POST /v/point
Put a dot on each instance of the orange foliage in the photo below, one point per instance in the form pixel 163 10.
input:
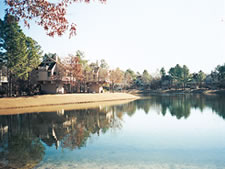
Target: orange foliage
pixel 116 76
pixel 51 16
pixel 74 68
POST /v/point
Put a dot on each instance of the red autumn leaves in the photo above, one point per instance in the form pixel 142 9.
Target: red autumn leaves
pixel 51 16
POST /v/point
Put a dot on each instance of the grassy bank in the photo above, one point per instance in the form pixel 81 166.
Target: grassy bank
pixel 55 102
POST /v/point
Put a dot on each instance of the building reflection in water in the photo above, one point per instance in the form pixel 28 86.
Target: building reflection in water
pixel 23 137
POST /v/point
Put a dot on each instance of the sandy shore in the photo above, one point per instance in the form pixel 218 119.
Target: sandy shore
pixel 56 102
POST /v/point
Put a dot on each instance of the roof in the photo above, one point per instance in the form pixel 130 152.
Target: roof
pixel 51 65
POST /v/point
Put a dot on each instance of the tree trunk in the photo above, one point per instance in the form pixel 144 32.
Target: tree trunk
pixel 10 85
pixel 7 83
pixel 113 87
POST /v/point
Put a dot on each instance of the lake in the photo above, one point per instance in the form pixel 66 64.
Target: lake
pixel 158 132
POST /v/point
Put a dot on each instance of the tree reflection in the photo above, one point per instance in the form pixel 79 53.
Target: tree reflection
pixel 20 148
pixel 23 138
pixel 23 152
pixel 180 105
pixel 143 104
pixel 177 105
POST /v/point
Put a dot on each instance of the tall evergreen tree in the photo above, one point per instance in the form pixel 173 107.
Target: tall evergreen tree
pixel 146 78
pixel 185 76
pixel 220 70
pixel 15 46
pixel 180 75
pixel 34 53
pixel 162 72
pixel 3 58
pixel 20 54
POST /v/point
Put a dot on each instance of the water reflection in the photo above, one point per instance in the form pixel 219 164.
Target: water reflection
pixel 24 138
pixel 178 105
pixel 181 105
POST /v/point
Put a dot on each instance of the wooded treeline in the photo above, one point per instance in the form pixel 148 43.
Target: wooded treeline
pixel 21 55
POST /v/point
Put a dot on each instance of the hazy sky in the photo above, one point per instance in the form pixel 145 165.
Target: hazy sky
pixel 144 34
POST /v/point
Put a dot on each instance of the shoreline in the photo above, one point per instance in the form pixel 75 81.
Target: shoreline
pixel 60 101
pixel 177 91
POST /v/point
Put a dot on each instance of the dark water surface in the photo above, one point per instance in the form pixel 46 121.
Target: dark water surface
pixel 161 132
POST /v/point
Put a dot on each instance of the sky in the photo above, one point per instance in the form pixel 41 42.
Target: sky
pixel 143 34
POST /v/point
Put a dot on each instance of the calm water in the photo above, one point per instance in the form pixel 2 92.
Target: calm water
pixel 169 132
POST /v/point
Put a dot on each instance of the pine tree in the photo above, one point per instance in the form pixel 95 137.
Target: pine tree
pixel 34 54
pixel 21 54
